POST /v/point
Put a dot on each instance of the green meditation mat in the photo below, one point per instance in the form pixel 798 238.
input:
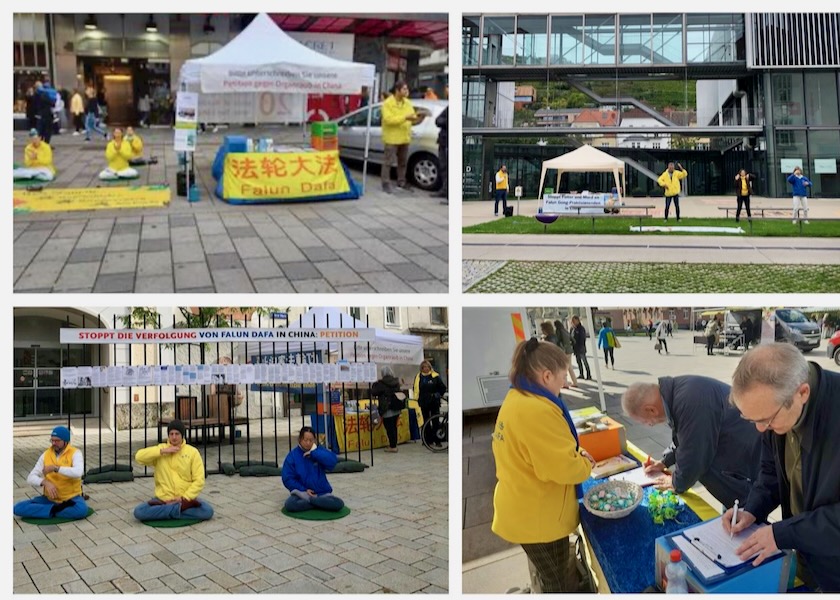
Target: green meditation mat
pixel 54 520
pixel 28 183
pixel 314 514
pixel 171 522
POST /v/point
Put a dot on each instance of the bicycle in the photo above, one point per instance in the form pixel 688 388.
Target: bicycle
pixel 436 429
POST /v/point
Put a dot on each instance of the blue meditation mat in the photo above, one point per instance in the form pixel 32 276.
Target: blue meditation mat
pixel 625 548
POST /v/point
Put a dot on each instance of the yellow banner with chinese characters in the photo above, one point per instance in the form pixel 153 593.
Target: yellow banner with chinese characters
pixel 358 430
pixel 268 175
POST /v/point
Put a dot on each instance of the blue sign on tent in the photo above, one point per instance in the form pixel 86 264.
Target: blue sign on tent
pixel 279 315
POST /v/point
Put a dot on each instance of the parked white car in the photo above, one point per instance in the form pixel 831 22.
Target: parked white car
pixel 423 163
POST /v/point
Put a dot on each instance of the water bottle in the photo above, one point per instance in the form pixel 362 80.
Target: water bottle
pixel 675 574
pixel 193 193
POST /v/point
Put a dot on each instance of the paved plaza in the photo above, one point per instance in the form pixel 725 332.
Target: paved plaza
pixel 394 541
pixel 492 565
pixel 379 243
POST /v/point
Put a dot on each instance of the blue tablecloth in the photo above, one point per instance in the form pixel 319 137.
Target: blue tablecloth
pixel 625 548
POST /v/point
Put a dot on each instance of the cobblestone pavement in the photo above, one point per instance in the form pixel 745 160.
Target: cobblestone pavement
pixel 394 541
pixel 616 277
pixel 379 243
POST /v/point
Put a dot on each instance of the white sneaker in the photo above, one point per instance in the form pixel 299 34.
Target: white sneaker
pixel 216 129
pixel 75 133
pixel 794 221
pixel 806 222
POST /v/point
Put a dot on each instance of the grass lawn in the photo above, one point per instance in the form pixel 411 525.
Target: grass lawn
pixel 601 278
pixel 621 226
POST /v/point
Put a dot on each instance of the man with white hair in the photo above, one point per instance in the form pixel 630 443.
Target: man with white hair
pixel 795 405
pixel 711 443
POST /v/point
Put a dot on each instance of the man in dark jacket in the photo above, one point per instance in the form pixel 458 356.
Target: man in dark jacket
pixel 711 442
pixel 43 112
pixel 442 122
pixel 793 403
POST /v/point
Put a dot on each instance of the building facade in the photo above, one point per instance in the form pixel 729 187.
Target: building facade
pixel 128 55
pixel 761 90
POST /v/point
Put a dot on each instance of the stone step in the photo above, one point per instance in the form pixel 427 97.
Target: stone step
pixel 36 428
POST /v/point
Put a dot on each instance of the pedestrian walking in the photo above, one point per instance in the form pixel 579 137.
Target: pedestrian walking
pixel 608 341
pixel 712 332
pixel 670 182
pixel 661 334
pixel 77 109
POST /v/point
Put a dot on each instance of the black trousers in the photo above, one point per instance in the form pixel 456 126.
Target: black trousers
pixel 676 200
pixel 664 344
pixel 555 569
pixel 710 344
pixel 443 157
pixel 609 356
pixel 743 201
pixel 582 362
pixel 390 424
pixel 500 195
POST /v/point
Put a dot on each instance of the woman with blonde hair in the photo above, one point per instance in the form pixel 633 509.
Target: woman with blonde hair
pixel 428 389
pixel 539 465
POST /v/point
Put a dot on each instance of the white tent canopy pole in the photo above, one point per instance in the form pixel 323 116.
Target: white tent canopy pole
pixel 373 92
pixel 594 343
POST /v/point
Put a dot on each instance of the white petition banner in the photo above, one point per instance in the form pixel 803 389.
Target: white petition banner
pixel 285 78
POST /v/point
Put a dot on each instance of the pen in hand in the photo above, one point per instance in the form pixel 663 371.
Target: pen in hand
pixel 734 519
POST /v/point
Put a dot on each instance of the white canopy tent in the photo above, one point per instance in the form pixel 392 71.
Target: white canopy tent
pixel 388 347
pixel 264 59
pixel 585 159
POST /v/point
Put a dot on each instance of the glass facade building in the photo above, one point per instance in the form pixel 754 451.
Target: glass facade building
pixel 781 74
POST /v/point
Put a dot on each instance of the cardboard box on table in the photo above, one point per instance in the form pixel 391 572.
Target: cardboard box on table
pixel 607 443
pixel 771 577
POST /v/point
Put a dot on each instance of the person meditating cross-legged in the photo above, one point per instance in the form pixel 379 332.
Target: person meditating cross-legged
pixel 118 153
pixel 179 479
pixel 59 472
pixel 304 475
pixel 37 160
pixel 135 142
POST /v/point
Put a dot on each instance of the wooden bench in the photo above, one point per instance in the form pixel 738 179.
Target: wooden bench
pixel 218 413
pixel 754 209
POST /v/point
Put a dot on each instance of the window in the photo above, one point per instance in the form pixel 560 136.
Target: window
pixel 667 39
pixel 359 119
pixel 531 40
pixel 656 145
pixel 497 45
pixel 821 98
pixel 469 40
pixel 600 37
pixel 392 316
pixel 356 312
pixel 566 40
pixel 635 39
pixel 788 99
pixel 437 315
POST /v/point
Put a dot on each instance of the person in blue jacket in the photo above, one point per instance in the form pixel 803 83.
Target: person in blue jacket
pixel 800 184
pixel 607 341
pixel 304 475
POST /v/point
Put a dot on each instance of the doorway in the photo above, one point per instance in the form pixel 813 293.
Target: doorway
pixel 119 95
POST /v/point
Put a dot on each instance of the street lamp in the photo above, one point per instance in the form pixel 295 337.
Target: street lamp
pixel 151 26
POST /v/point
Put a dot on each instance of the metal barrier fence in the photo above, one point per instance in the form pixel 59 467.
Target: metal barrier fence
pixel 199 411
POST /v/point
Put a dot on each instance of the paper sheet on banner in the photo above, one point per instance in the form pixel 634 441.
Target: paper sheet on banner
pixel 635 476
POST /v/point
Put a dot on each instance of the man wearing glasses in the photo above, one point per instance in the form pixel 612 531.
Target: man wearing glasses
pixel 795 404
pixel 710 442
pixel 58 473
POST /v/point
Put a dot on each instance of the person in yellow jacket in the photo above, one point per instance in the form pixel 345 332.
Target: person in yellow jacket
pixel 502 188
pixel 398 117
pixel 37 160
pixel 670 182
pixel 539 464
pixel 135 142
pixel 179 479
pixel 429 389
pixel 118 152
pixel 58 472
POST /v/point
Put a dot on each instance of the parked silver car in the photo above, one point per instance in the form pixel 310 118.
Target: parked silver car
pixel 423 163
